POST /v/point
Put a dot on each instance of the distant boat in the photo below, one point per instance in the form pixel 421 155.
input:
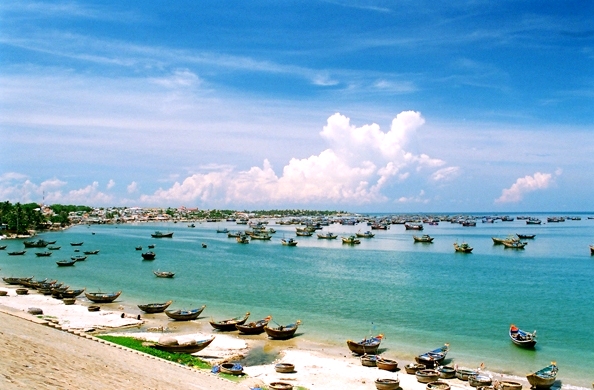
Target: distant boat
pixel 17 253
pixel 433 358
pixel 351 240
pixel 533 221
pixel 148 255
pixel 366 234
pixel 78 258
pixel 282 332
pixel 327 236
pixel 424 238
pixel 526 236
pixel 139 248
pixel 463 248
pixel 36 244
pixel 544 378
pixel 54 248
pixel 159 234
pixel 184 315
pixel 65 263
pixel 150 246
pixel 516 244
pixel 413 226
pixel 99 297
pixel 2 247
pixel 43 254
pixel 304 233
pixel 76 243
pixel 164 274
pixel 243 239
pixel 155 307
pixel 365 346
pixel 591 249
pixel 522 338
pixel 288 242
pixel 91 252
pixel 225 230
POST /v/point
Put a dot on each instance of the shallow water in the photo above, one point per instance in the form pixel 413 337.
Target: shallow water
pixel 418 295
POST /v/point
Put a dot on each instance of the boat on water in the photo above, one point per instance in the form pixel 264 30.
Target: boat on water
pixel 543 378
pixel 413 226
pixel 463 248
pixel 185 315
pixel 148 255
pixel 76 243
pixel 533 221
pixel 365 346
pixel 288 242
pixel 43 254
pixel 229 325
pixel 234 235
pixel 243 239
pixel 99 297
pixel 155 307
pixel 303 233
pixel 591 249
pixel 433 358
pixel 515 244
pixel 367 234
pixel 54 248
pixel 151 246
pixel 525 236
pixel 78 258
pixel 170 344
pixel 424 238
pixel 95 252
pixel 2 247
pixel 225 230
pixel 36 244
pixel 164 274
pixel 522 338
pixel 159 234
pixel 282 332
pixel 256 327
pixel 351 240
pixel 327 236
pixel 17 253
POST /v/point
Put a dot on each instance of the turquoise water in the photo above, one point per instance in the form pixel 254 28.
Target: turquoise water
pixel 418 295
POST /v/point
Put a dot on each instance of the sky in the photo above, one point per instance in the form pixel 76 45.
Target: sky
pixel 367 106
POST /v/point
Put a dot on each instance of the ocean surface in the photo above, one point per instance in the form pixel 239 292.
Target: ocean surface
pixel 419 296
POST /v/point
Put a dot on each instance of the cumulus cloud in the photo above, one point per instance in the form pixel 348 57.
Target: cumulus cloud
pixel 132 187
pixel 445 174
pixel 110 184
pixel 89 195
pixel 525 185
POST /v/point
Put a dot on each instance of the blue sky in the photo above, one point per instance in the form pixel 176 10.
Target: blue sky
pixel 393 106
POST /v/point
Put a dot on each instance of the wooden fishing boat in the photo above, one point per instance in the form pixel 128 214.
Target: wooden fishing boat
pixel 149 255
pixel 43 254
pixel 151 246
pixel 525 236
pixel 51 242
pixel 231 368
pixel 185 315
pixel 138 248
pixel 36 244
pixel 69 293
pixel 364 346
pixel 2 247
pixel 54 248
pixel 65 263
pixel 164 274
pixel 170 344
pixel 78 258
pixel 463 248
pixel 99 297
pixel 327 236
pixel 380 226
pixel 159 234
pixel 91 252
pixel 387 384
pixel 515 244
pixel 284 368
pixel 259 236
pixel 350 240
pixel 424 238
pixel 413 226
pixel 14 281
pixel 17 253
pixel 544 378
pixel 386 364
pixel 500 241
pixel 229 325
pixel 253 327
pixel 522 338
pixel 433 358
pixel 412 368
pixel 234 235
pixel 289 242
pixel 282 332
pixel 426 376
pixel 155 307
pixel 304 233
pixel 366 234
pixel 76 243
pixel 243 239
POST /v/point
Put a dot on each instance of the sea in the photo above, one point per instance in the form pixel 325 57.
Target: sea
pixel 419 296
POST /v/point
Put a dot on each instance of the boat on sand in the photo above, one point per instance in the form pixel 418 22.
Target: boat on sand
pixel 544 378
pixel 367 345
pixel 170 344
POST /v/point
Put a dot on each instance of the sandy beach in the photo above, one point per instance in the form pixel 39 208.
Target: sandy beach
pixel 59 351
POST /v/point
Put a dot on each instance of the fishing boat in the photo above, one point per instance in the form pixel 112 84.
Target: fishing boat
pixel 424 238
pixel 69 293
pixel 66 263
pixel 289 242
pixel 282 332
pixel 533 221
pixel 99 297
pixel 2 247
pixel 515 244
pixel 351 240
pixel 91 252
pixel 327 236
pixel 369 360
pixel 14 281
pixel 164 274
pixel 413 226
pixel 544 378
pixel 76 243
pixel 138 248
pixel 225 230
pixel 234 235
pixel 433 358
pixel 368 345
pixel 184 315
pixel 229 325
pixel 155 307
pixel 592 249
pixel 259 236
pixel 78 258
pixel 253 327
pixel 159 234
pixel 243 239
pixel 463 248
pixel 17 253
pixel 304 233
pixel 386 364
pixel 148 255
pixel 36 244
pixel 522 338
pixel 151 246
pixel 500 241
pixel 525 236
pixel 43 254
pixel 170 344
pixel 366 234
pixel 54 248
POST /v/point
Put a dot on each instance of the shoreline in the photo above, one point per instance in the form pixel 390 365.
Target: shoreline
pixel 318 366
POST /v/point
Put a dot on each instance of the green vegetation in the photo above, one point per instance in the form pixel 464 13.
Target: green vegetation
pixel 181 358
pixel 61 213
pixel 18 218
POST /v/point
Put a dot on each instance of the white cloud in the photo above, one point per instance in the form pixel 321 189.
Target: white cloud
pixel 414 199
pixel 89 195
pixel 132 187
pixel 110 184
pixel 525 185
pixel 445 174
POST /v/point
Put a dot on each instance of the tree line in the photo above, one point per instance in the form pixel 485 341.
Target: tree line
pixel 20 217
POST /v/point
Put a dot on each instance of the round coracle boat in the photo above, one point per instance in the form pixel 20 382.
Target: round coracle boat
pixel 463 375
pixel 3 293
pixel 387 384
pixel 508 385
pixel 94 308
pixel 426 376
pixel 22 291
pixel 232 368
pixel 446 372
pixel 486 388
pixel 284 367
pixel 69 301
pixel 412 368
pixel 280 386
pixel 479 380
pixel 386 364
pixel 437 385
pixel 369 360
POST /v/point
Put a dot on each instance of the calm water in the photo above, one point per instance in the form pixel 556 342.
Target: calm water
pixel 418 295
